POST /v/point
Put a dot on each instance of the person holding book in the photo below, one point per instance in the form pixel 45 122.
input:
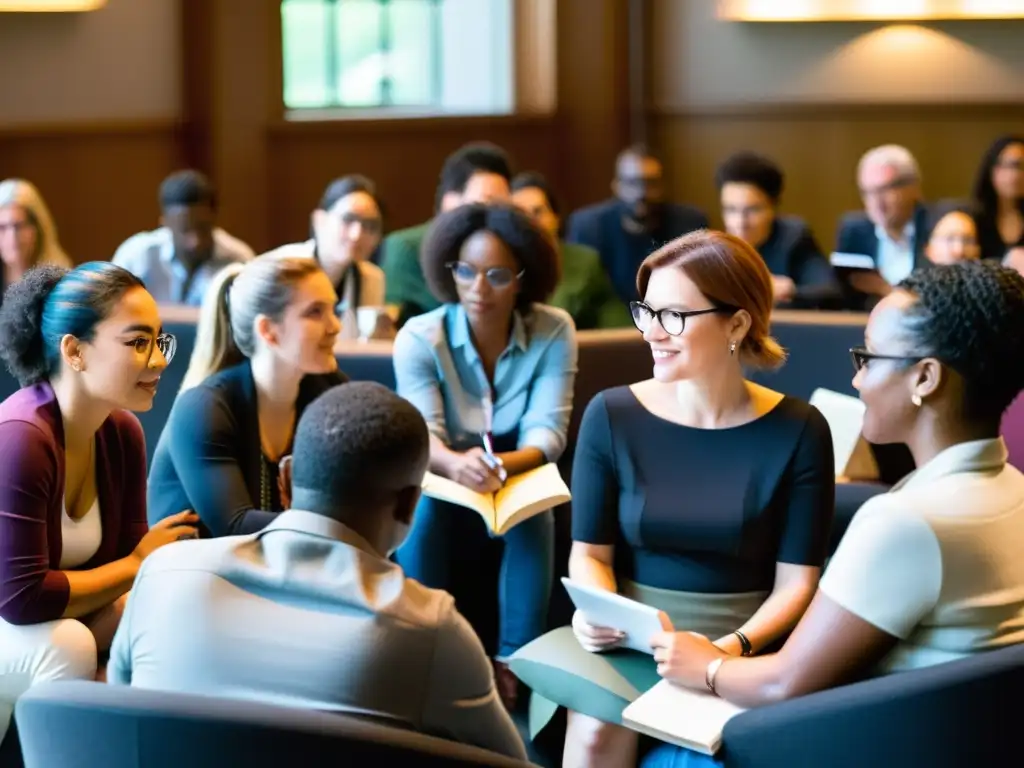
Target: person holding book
pixel 264 351
pixel 87 347
pixel 696 492
pixel 931 571
pixel 492 372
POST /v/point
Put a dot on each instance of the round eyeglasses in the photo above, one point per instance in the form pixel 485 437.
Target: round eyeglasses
pixel 672 321
pixel 167 343
pixel 498 277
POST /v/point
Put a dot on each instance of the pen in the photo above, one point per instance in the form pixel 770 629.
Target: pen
pixel 489 456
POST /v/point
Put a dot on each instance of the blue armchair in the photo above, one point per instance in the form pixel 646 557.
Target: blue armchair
pixel 947 716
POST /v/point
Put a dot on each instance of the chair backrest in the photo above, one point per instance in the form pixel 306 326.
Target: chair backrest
pixel 945 716
pixel 77 724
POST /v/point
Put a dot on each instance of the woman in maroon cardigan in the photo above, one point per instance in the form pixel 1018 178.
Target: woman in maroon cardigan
pixel 85 345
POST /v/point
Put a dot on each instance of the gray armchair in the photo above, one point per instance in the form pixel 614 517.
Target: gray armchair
pixel 92 725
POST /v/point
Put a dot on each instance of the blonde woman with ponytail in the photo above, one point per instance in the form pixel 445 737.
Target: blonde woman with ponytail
pixel 264 351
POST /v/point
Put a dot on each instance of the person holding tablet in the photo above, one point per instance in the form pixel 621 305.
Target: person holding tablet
pixel 87 347
pixel 491 359
pixel 931 571
pixel 696 491
pixel 264 351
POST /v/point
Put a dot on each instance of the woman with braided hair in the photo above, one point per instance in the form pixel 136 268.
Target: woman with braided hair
pixel 943 358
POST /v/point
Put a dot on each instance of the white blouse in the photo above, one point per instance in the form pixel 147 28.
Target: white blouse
pixel 936 562
pixel 80 539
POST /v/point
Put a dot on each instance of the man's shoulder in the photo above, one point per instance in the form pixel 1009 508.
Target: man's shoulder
pixel 410 236
pixel 142 247
pixel 688 217
pixel 855 220
pixel 428 327
pixel 596 211
pixel 192 555
pixel 230 248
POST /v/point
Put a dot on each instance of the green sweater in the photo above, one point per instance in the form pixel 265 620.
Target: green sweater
pixel 404 283
pixel 585 291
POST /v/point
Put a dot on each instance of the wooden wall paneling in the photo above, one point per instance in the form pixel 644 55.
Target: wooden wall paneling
pixel 593 95
pixel 402 156
pixel 819 145
pixel 100 180
pixel 270 171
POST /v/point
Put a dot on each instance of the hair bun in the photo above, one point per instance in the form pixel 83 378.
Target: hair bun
pixel 21 323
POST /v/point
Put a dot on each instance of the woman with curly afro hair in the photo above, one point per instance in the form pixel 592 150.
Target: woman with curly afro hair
pixel 931 571
pixel 491 361
pixel 87 347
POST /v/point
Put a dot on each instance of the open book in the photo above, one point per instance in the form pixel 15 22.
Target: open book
pixel 845 417
pixel 681 716
pixel 522 497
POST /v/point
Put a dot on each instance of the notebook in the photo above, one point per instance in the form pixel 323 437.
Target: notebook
pixel 845 416
pixel 841 260
pixel 681 716
pixel 522 497
pixel 608 609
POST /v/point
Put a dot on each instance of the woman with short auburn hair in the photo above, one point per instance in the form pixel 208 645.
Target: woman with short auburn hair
pixel 697 491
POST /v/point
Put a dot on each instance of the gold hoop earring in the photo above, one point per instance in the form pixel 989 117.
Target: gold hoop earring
pixel 916 399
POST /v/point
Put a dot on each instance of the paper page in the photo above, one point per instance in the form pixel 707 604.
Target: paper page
pixel 845 417
pixel 534 491
pixel 442 488
pixel 852 261
pixel 682 716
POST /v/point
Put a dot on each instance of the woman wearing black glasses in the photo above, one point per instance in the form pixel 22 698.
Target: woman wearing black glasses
pixel 697 492
pixel 492 365
pixel 931 571
pixel 87 347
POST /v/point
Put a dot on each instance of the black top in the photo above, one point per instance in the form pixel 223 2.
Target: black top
pixel 622 252
pixel 209 458
pixel 792 251
pixel 703 510
pixel 991 242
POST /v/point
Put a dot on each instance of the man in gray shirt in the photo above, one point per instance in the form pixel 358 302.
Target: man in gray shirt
pixel 310 612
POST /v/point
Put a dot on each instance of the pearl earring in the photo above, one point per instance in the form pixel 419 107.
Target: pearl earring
pixel 916 399
pixel 732 348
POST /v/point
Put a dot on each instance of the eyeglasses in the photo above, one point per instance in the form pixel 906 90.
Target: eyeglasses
pixel 167 343
pixel 672 321
pixel 372 224
pixel 498 277
pixel 861 357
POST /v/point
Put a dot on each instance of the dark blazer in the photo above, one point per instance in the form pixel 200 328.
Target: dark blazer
pixel 33 589
pixel 622 252
pixel 991 242
pixel 857 235
pixel 208 458
pixel 792 251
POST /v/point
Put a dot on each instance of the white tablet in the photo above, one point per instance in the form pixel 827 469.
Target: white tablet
pixel 607 609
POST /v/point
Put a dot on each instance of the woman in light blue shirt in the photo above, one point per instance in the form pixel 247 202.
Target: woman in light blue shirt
pixel 491 360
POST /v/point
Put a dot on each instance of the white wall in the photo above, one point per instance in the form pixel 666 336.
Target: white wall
pixel 117 63
pixel 701 62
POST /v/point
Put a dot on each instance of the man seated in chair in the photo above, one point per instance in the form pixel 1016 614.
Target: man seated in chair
pixel 310 612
